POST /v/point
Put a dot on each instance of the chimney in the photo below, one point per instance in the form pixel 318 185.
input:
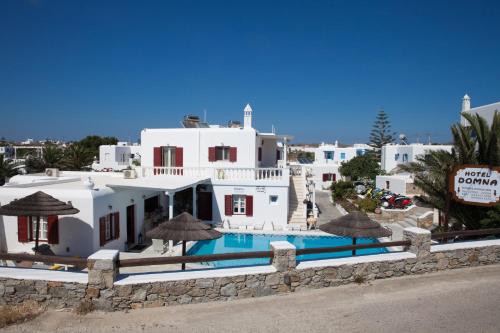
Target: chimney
pixel 466 103
pixel 247 119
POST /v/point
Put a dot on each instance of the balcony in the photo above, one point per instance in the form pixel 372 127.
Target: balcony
pixel 222 174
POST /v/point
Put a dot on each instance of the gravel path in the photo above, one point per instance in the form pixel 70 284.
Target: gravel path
pixel 327 210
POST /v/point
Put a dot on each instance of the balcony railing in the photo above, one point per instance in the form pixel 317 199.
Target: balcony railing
pixel 219 173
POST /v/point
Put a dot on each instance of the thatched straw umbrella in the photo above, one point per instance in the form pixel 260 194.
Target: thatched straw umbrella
pixel 36 205
pixel 184 227
pixel 355 225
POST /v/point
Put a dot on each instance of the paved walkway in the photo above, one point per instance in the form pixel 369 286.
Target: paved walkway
pixel 327 210
pixel 461 300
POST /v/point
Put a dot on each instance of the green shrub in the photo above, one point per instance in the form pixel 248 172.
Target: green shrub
pixel 342 190
pixel 367 205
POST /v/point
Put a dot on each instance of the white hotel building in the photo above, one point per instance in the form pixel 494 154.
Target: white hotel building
pixel 232 174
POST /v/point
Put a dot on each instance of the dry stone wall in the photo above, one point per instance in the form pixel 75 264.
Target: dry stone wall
pixel 105 294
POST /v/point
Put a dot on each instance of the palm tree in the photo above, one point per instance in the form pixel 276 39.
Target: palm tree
pixel 6 169
pixel 51 158
pixel 474 144
pixel 76 157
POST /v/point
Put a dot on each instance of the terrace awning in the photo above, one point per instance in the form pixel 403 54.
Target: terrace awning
pixel 159 183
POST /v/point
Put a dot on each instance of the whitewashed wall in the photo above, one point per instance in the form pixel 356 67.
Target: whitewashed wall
pixel 263 210
pixel 196 141
pixel 389 162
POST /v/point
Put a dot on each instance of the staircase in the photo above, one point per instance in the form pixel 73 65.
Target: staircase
pixel 296 207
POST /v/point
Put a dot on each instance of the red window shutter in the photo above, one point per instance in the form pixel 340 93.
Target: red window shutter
pixel 228 203
pixel 211 154
pixel 116 221
pixel 179 157
pixel 334 177
pixel 157 156
pixel 249 205
pixel 260 154
pixel 233 154
pixel 102 231
pixel 22 229
pixel 325 177
pixel 53 229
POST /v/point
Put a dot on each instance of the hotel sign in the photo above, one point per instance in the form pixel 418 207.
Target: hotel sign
pixel 476 185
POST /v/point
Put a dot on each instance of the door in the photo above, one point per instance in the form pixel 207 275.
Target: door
pixel 131 224
pixel 205 206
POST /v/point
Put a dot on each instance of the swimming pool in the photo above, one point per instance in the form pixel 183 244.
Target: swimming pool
pixel 241 242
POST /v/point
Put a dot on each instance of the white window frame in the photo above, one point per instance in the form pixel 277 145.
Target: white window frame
pixel 168 156
pixel 44 228
pixel 239 204
pixel 224 153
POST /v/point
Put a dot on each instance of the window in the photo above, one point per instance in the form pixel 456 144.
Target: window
pixel 108 227
pixel 329 155
pixel 273 199
pixel 396 157
pixel 222 153
pixel 43 231
pixel 360 152
pixel 168 156
pixel 239 204
pixel 329 177
pixel 387 184
pixel 342 156
pixel 405 158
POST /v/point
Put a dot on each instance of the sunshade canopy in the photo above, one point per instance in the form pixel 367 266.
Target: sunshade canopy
pixel 37 204
pixel 355 225
pixel 183 227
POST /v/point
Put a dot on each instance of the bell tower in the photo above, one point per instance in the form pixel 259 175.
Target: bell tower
pixel 465 108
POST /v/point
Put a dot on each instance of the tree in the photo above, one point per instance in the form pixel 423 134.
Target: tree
pixel 364 166
pixel 6 169
pixel 92 143
pixel 51 158
pixel 474 144
pixel 381 133
pixel 76 157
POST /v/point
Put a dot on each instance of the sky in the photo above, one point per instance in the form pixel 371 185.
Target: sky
pixel 317 70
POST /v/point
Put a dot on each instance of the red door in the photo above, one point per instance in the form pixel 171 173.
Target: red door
pixel 205 206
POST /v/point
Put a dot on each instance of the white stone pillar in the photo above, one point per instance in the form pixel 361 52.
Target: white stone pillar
pixel 195 208
pixel 170 204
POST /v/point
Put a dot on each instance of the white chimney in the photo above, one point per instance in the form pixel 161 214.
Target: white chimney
pixel 465 107
pixel 466 103
pixel 247 119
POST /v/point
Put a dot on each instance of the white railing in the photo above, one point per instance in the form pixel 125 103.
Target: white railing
pixel 219 173
pixel 296 170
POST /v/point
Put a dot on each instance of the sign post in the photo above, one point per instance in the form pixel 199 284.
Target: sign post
pixel 472 184
pixel 476 185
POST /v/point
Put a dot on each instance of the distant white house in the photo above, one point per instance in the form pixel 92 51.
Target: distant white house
pixel 328 158
pixel 117 157
pixel 485 111
pixel 394 155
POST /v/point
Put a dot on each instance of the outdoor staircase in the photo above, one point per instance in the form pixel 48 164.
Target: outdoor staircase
pixel 296 206
pixel 409 221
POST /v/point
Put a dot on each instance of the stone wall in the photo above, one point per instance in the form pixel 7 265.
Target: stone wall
pixel 50 293
pixel 283 277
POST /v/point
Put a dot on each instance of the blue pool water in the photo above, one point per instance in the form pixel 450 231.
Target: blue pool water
pixel 239 242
